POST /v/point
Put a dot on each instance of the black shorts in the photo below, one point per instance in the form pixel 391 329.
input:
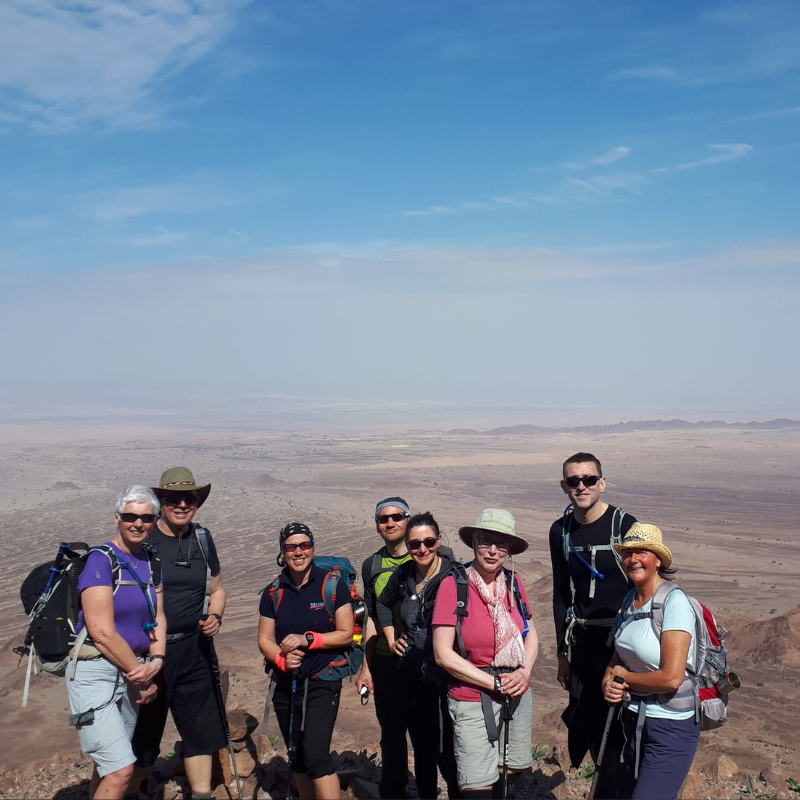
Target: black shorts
pixel 312 754
pixel 187 690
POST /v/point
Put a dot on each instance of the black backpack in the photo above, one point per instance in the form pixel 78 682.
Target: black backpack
pixel 52 601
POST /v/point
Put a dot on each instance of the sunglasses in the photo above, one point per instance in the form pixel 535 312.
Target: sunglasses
pixel 588 481
pixel 176 499
pixel 415 544
pixel 148 519
pixel 485 544
pixel 384 518
pixel 290 548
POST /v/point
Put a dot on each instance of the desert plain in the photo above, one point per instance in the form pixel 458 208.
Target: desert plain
pixel 728 501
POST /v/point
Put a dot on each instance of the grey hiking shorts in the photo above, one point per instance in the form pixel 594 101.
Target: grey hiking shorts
pixel 480 761
pixel 108 739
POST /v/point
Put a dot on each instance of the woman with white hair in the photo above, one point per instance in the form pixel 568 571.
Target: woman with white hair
pixel 650 674
pixel 484 638
pixel 121 643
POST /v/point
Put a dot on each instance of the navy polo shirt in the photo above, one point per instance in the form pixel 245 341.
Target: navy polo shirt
pixel 301 609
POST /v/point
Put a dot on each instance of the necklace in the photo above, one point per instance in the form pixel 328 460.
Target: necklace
pixel 431 574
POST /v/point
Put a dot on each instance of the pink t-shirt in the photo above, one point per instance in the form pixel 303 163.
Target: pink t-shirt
pixel 477 630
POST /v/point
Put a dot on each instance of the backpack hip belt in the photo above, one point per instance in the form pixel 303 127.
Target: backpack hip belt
pixel 572 621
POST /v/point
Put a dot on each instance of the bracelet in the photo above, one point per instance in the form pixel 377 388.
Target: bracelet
pixel 219 618
pixel 157 656
pixel 498 684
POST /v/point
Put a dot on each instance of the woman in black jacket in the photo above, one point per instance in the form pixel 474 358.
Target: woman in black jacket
pixel 405 610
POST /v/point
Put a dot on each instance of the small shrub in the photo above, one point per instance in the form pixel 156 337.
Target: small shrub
pixel 793 784
pixel 539 751
pixel 273 740
pixel 586 771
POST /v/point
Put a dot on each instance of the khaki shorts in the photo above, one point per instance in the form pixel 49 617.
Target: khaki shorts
pixel 478 760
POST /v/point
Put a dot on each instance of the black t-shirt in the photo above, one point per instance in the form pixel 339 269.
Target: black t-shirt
pixel 184 587
pixel 609 592
pixel 301 609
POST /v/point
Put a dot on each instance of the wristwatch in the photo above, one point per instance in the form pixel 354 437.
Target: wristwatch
pixel 498 684
pixel 310 639
pixel 219 618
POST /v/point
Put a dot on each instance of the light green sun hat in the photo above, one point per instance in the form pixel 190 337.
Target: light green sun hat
pixel 496 521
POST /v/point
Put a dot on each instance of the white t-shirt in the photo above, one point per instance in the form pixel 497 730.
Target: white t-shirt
pixel 640 650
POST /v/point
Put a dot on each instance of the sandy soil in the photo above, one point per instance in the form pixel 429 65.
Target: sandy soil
pixel 727 501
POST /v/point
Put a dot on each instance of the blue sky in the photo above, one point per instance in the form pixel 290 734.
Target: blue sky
pixel 523 205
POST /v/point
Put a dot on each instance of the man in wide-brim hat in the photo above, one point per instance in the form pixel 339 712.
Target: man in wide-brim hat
pixel 194 602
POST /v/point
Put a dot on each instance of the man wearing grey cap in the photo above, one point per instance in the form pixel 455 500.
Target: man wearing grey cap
pixel 379 672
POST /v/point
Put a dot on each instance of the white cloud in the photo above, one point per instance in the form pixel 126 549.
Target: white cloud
pixel 180 197
pixel 729 152
pixel 161 238
pixel 778 113
pixel 65 65
pixel 609 157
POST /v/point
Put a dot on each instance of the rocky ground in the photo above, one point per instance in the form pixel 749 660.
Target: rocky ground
pixel 261 762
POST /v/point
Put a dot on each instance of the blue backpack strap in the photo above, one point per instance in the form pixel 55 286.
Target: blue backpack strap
pixel 329 584
pixel 276 593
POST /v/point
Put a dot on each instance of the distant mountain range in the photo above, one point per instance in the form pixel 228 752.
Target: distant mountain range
pixel 626 427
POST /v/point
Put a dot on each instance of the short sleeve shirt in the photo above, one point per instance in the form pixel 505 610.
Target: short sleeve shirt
pixel 640 649
pixel 131 609
pixel 301 609
pixel 375 591
pixel 477 629
pixel 184 586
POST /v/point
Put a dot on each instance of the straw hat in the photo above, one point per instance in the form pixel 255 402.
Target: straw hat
pixel 180 479
pixel 642 536
pixel 495 520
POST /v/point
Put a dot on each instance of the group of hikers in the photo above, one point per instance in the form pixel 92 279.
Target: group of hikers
pixel 448 647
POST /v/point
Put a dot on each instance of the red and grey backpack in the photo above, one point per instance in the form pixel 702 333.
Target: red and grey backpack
pixel 706 687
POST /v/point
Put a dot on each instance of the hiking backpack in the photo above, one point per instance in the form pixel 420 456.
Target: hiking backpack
pixel 336 567
pixel 701 689
pixel 51 598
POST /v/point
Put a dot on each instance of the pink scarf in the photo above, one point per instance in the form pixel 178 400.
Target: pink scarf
pixel 509 650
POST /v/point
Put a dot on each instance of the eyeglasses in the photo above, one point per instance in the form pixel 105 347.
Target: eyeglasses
pixel 290 548
pixel 588 481
pixel 502 546
pixel 415 544
pixel 148 519
pixel 384 518
pixel 171 499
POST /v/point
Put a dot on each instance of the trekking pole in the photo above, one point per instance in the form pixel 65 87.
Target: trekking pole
pixel 223 714
pixel 612 707
pixel 291 748
pixel 507 720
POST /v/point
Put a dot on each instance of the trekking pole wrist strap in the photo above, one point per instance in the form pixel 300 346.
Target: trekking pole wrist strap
pixel 316 641
pixel 280 662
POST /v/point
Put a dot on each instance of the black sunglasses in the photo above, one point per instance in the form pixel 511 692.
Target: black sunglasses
pixel 588 481
pixel 170 499
pixel 290 548
pixel 148 519
pixel 415 544
pixel 384 518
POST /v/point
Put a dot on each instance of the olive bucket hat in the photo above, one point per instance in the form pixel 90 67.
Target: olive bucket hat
pixel 496 520
pixel 180 480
